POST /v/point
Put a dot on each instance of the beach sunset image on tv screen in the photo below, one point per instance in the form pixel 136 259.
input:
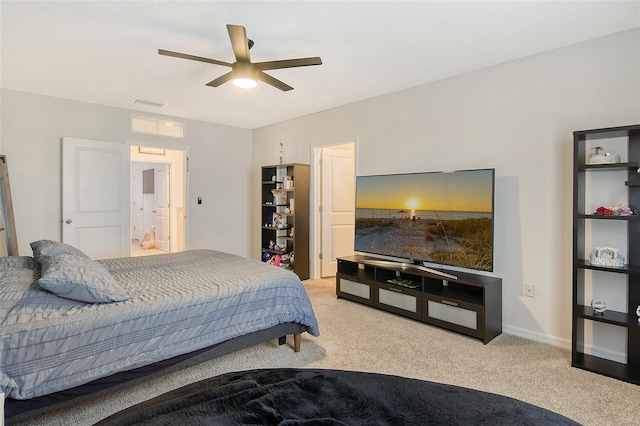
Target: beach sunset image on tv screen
pixel 438 217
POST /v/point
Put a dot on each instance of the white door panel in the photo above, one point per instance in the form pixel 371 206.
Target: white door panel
pixel 342 238
pixel 95 197
pixel 161 207
pixel 98 241
pixel 338 207
pixel 137 205
pixel 149 216
pixel 98 180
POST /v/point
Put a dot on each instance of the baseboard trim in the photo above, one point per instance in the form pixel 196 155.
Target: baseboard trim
pixel 536 336
pixel 605 353
pixel 564 343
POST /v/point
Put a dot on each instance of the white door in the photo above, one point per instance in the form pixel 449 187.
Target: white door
pixel 338 206
pixel 137 204
pixel 148 208
pixel 95 197
pixel 161 208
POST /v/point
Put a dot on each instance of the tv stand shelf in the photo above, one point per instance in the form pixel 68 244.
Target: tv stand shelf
pixel 471 304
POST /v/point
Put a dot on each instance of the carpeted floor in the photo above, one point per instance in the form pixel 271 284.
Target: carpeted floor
pixel 359 338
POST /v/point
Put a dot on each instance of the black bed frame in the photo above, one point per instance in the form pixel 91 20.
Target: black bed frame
pixel 19 410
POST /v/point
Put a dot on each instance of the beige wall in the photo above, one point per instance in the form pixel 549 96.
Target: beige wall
pixel 219 167
pixel 517 117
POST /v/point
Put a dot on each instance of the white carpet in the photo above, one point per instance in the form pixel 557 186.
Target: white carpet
pixel 356 337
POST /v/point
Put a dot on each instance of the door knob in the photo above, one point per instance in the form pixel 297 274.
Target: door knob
pixel 68 221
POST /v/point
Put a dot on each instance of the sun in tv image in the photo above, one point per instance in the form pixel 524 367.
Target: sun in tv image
pixel 438 217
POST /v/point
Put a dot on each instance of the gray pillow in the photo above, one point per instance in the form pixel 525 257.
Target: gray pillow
pixel 46 248
pixel 79 278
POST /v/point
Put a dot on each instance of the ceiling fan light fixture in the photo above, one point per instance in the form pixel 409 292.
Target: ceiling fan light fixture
pixel 244 73
pixel 245 83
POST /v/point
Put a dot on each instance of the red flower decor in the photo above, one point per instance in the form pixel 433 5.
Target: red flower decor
pixel 603 211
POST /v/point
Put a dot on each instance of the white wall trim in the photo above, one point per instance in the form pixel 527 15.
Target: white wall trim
pixel 537 336
pixel 606 353
pixel 617 356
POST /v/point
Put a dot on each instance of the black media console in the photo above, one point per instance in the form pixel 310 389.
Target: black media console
pixel 466 303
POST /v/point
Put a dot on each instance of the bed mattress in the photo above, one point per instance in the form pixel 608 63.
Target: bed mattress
pixel 178 303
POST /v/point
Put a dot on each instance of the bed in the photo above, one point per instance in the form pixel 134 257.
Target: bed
pixel 163 307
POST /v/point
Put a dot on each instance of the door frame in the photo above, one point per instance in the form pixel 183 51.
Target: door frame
pixel 316 200
pixel 174 245
pixel 147 214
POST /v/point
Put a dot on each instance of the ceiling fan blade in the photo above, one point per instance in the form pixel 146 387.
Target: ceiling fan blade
pixel 220 80
pixel 273 81
pixel 192 57
pixel 288 63
pixel 239 42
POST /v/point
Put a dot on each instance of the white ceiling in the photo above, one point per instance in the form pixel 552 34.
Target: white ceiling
pixel 106 52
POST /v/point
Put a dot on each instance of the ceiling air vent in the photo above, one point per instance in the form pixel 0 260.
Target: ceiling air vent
pixel 149 102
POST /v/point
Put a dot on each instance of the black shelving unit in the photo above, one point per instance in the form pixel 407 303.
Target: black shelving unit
pixel 470 304
pixel 583 217
pixel 276 199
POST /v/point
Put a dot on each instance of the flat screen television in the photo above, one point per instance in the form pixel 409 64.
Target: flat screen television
pixel 436 218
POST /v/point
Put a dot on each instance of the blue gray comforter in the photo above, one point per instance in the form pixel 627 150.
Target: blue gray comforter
pixel 178 303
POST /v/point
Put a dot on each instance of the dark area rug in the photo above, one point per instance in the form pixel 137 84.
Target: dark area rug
pixel 329 397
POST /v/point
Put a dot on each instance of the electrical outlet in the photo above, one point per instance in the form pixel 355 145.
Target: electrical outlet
pixel 530 290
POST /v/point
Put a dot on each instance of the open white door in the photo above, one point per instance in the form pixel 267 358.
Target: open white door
pixel 161 207
pixel 95 197
pixel 338 207
pixel 137 204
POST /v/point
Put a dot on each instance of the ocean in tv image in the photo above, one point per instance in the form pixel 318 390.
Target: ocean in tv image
pixel 443 218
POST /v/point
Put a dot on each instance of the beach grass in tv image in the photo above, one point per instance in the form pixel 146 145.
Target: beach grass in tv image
pixel 438 217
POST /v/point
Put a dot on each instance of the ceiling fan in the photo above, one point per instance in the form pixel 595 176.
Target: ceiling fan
pixel 244 72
